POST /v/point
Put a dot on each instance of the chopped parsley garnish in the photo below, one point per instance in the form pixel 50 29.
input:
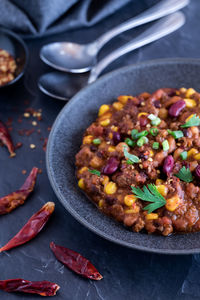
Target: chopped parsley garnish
pixel 150 194
pixel 194 121
pixel 133 133
pixel 131 158
pixel 184 174
pixel 95 172
pixel 176 134
pixel 154 131
pixel 183 155
pixel 129 142
pixel 154 120
pixel 165 145
pixel 140 134
pixel 143 140
pixel 96 141
pixel 155 145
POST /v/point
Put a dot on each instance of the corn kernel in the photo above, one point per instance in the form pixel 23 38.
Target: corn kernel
pixel 83 169
pixel 105 116
pixel 117 105
pixel 183 90
pixel 105 122
pixel 105 180
pixel 172 203
pixel 81 183
pixel 114 128
pixel 190 92
pixel 110 135
pixel 111 149
pixel 159 181
pixel 142 114
pixel 124 98
pixel 110 188
pixel 151 153
pixel 189 118
pixel 197 156
pixel 151 216
pixel 134 210
pixel 87 139
pixel 192 152
pixel 103 109
pixel 129 200
pixel 96 162
pixel 162 189
pixel 190 103
pixel 101 202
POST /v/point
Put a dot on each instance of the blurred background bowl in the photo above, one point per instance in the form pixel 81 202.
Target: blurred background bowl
pixel 13 44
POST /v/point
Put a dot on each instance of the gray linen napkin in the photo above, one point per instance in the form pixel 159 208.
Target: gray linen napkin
pixel 39 17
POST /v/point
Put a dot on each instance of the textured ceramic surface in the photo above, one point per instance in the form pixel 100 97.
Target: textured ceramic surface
pixel 76 116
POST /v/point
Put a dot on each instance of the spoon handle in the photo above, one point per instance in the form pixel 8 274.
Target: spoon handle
pixel 158 30
pixel 163 8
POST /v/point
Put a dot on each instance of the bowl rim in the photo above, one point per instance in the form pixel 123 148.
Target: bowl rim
pixel 24 46
pixel 61 197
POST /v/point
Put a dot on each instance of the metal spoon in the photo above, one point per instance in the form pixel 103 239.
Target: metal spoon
pixel 63 86
pixel 76 58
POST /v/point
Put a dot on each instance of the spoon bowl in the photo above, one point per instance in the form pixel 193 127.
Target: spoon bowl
pixel 76 58
pixel 63 86
pixel 69 57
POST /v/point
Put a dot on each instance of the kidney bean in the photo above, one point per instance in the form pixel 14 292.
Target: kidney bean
pixel 197 172
pixel 185 132
pixel 111 166
pixel 168 165
pixel 176 108
pixel 157 104
pixel 116 137
pixel 143 121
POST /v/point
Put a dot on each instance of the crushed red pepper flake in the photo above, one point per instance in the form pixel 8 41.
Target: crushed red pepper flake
pixel 45 144
pixel 24 172
pixel 18 145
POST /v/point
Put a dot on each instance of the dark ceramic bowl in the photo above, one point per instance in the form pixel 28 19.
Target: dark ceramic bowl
pixel 12 43
pixel 76 116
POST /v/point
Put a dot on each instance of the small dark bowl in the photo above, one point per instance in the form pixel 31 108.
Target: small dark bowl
pixel 12 43
pixel 66 136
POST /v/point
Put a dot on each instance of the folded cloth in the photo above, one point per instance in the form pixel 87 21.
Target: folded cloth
pixel 39 17
pixel 191 284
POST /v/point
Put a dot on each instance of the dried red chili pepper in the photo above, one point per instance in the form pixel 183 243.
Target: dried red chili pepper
pixel 31 228
pixel 5 138
pixel 43 288
pixel 13 200
pixel 76 262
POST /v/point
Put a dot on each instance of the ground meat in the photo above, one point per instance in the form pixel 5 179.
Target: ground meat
pixel 138 141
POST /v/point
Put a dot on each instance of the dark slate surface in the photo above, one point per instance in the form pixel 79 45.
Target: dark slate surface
pixel 127 273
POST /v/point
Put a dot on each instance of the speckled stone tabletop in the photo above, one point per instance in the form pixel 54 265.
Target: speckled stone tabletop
pixel 127 273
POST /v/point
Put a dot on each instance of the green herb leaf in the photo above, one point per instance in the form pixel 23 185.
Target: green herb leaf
pixel 155 145
pixel 165 145
pixel 95 172
pixel 154 131
pixel 131 157
pixel 183 155
pixel 184 174
pixel 194 121
pixel 176 134
pixel 149 194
